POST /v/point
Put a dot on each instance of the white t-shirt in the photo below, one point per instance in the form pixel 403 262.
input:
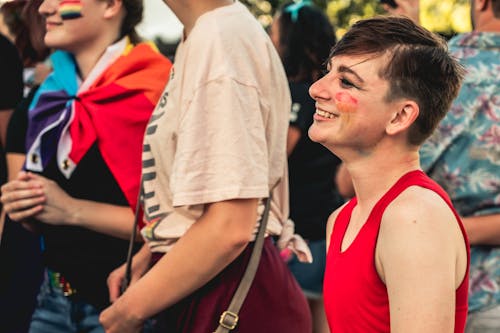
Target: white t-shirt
pixel 219 130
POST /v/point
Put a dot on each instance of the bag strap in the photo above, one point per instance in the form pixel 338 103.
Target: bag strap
pixel 229 318
pixel 128 268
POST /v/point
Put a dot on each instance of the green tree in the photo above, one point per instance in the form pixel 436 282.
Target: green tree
pixel 445 16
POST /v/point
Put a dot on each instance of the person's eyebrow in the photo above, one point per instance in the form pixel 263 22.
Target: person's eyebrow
pixel 345 69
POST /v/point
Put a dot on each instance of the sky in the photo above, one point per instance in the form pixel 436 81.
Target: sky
pixel 159 21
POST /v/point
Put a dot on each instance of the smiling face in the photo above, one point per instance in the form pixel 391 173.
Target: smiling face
pixel 351 109
pixel 73 25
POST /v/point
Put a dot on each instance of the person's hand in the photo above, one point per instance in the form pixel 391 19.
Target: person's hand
pixel 58 206
pixel 31 195
pixel 22 198
pixel 140 264
pixel 408 8
pixel 114 281
pixel 118 319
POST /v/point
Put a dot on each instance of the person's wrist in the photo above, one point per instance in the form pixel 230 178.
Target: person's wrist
pixel 130 309
pixel 73 213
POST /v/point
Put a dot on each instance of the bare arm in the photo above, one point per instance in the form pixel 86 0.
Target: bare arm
pixel 4 122
pixel 421 257
pixel 210 244
pixel 108 219
pixel 14 164
pixel 140 264
pixel 483 230
pixel 2 223
pixel 34 196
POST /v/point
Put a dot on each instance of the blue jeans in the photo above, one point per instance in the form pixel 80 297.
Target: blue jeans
pixel 56 313
pixel 310 276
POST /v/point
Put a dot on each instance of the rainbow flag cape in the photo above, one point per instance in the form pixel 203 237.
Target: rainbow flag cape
pixel 113 111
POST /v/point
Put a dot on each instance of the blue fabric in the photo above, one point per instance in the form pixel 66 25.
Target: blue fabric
pixel 463 154
pixel 50 110
pixel 63 77
pixel 56 313
pixel 310 276
pixel 296 7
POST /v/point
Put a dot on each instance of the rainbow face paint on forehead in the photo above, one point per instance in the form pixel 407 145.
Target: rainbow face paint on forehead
pixel 345 102
pixel 70 9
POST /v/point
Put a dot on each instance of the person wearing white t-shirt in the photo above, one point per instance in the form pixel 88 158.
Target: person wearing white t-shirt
pixel 213 150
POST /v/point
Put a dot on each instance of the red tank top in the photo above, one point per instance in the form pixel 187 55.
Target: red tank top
pixel 355 297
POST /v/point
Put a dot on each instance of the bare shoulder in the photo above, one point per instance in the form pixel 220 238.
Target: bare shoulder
pixel 419 228
pixel 418 208
pixel 422 259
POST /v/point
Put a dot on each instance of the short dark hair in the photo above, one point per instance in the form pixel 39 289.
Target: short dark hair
pixel 306 38
pixel 419 67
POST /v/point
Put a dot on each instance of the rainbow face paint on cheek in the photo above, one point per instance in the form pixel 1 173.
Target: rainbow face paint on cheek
pixel 70 9
pixel 345 102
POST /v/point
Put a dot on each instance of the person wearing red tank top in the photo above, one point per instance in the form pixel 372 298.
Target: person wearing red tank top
pixel 398 255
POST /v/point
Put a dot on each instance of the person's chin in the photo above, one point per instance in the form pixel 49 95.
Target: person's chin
pixel 317 134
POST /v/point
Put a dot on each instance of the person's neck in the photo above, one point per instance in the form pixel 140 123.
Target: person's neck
pixel 489 26
pixel 190 10
pixel 485 21
pixel 375 172
pixel 87 57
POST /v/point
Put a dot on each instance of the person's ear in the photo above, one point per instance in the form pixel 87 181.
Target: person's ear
pixel 402 119
pixel 113 8
pixel 480 5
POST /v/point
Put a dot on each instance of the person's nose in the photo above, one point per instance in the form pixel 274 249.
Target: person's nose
pixel 48 7
pixel 320 89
